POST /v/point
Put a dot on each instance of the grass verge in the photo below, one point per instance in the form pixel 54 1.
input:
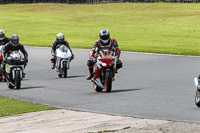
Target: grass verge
pixel 169 28
pixel 9 106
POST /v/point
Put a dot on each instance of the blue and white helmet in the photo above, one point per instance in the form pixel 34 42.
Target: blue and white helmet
pixel 2 34
pixel 104 35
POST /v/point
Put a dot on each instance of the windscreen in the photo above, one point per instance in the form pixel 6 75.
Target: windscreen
pixel 63 48
pixel 106 52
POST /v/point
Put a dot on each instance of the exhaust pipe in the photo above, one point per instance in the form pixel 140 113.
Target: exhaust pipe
pixel 9 81
pixel 196 84
pixel 98 83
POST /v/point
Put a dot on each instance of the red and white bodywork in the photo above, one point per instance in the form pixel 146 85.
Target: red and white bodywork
pixel 104 70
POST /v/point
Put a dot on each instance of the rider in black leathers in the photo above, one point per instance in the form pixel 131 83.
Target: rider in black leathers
pixel 3 38
pixel 60 39
pixel 11 46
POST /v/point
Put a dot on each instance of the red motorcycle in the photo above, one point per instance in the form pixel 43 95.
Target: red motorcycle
pixel 104 70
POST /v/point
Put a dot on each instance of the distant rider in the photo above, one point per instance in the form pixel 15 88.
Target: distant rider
pixel 60 40
pixel 3 38
pixel 11 46
pixel 105 42
pixel 3 41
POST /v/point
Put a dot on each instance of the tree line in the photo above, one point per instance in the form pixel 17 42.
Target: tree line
pixel 93 1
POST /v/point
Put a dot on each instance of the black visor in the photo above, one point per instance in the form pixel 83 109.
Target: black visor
pixel 15 41
pixel 2 35
pixel 105 37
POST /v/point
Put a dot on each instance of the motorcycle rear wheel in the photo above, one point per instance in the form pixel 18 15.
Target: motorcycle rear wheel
pixel 97 89
pixel 59 75
pixel 197 98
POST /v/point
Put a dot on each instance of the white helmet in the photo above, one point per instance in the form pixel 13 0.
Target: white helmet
pixel 60 37
pixel 2 34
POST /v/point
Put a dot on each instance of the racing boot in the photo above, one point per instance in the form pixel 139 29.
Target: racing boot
pixel 53 61
pixel 53 66
pixel 119 65
pixel 89 77
pixel 116 71
pixel 91 74
pixel 23 74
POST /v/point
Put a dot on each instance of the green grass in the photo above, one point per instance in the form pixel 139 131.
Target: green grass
pixel 172 28
pixel 9 106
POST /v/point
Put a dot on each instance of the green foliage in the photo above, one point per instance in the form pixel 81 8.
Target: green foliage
pixel 126 128
pixel 9 106
pixel 172 28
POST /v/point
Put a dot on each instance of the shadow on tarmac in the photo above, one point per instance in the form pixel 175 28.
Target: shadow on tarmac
pixel 76 76
pixel 123 90
pixel 32 87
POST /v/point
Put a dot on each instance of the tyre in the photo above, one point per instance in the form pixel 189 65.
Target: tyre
pixel 108 81
pixel 197 98
pixel 17 79
pixel 65 69
pixel 97 89
pixel 59 75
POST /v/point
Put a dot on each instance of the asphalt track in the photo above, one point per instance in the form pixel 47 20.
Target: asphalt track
pixel 148 86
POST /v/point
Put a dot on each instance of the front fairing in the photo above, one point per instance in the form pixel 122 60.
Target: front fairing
pixel 63 52
pixel 103 64
pixel 106 62
pixel 15 60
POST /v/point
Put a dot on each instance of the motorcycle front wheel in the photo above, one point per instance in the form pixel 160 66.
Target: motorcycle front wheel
pixel 108 81
pixel 65 69
pixel 17 80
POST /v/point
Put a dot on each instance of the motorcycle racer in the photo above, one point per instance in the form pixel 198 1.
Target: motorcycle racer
pixel 3 38
pixel 3 41
pixel 11 46
pixel 60 39
pixel 105 42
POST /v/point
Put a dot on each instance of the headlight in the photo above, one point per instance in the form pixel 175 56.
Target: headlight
pixel 103 64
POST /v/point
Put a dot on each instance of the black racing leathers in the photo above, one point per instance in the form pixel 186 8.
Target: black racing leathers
pixel 4 41
pixel 9 48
